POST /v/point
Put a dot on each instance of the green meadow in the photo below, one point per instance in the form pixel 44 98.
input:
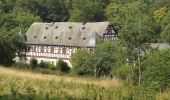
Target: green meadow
pixel 26 85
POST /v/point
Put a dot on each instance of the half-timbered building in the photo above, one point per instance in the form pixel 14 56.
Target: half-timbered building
pixel 53 41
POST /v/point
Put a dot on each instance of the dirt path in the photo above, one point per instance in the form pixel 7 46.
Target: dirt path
pixel 38 76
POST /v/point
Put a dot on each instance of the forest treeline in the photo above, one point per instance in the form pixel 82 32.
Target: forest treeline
pixel 137 21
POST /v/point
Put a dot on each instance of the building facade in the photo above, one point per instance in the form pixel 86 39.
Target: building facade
pixel 53 41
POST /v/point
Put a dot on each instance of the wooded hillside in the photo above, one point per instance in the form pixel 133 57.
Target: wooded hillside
pixel 134 19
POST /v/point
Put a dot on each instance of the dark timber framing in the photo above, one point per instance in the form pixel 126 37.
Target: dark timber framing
pixel 52 51
pixel 110 34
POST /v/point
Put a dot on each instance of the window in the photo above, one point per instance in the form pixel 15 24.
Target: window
pixel 83 28
pixel 49 49
pixel 84 38
pixel 64 50
pixel 45 37
pixel 59 51
pixel 42 49
pixel 69 38
pixel 52 49
pixel 56 37
pixel 56 27
pixel 39 48
pixel 46 28
pixel 35 36
pixel 34 48
pixel 70 27
pixel 28 48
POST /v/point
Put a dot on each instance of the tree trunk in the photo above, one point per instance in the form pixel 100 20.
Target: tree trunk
pixel 139 69
pixel 97 72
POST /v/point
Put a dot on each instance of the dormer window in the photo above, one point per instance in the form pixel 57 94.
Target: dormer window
pixel 35 36
pixel 83 28
pixel 84 38
pixel 70 27
pixel 45 37
pixel 69 38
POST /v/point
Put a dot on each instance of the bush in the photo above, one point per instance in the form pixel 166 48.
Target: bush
pixel 33 62
pixel 63 66
pixel 82 62
pixel 107 56
pixel 124 72
pixel 47 65
pixel 22 65
pixel 156 70
pixel 44 64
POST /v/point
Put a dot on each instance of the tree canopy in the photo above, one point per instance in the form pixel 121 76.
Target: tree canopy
pixel 137 21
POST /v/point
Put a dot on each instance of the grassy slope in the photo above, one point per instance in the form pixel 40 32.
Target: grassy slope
pixel 45 77
pixel 16 84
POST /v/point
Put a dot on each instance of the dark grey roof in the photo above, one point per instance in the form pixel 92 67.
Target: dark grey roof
pixel 66 33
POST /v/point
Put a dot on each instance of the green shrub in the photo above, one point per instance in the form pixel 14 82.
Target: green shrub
pixel 52 67
pixel 22 65
pixel 63 66
pixel 124 72
pixel 156 70
pixel 47 65
pixel 33 62
pixel 44 64
pixel 82 61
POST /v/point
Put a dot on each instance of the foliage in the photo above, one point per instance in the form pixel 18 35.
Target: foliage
pixel 22 65
pixel 12 21
pixel 51 10
pixel 159 14
pixel 81 8
pixel 124 72
pixel 138 22
pixel 113 13
pixel 106 57
pixel 47 65
pixel 101 61
pixel 63 66
pixel 8 43
pixel 156 71
pixel 166 28
pixel 82 62
pixel 18 15
pixel 33 62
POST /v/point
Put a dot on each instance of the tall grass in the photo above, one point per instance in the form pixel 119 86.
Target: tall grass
pixel 17 85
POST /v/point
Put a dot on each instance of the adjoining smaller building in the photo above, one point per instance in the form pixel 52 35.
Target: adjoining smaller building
pixel 58 40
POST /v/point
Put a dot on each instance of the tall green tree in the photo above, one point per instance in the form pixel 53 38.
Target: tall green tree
pixel 138 30
pixel 10 25
pixel 7 6
pixel 114 14
pixel 48 10
pixel 106 57
pixel 87 10
pixel 156 71
pixel 165 34
pixel 82 62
